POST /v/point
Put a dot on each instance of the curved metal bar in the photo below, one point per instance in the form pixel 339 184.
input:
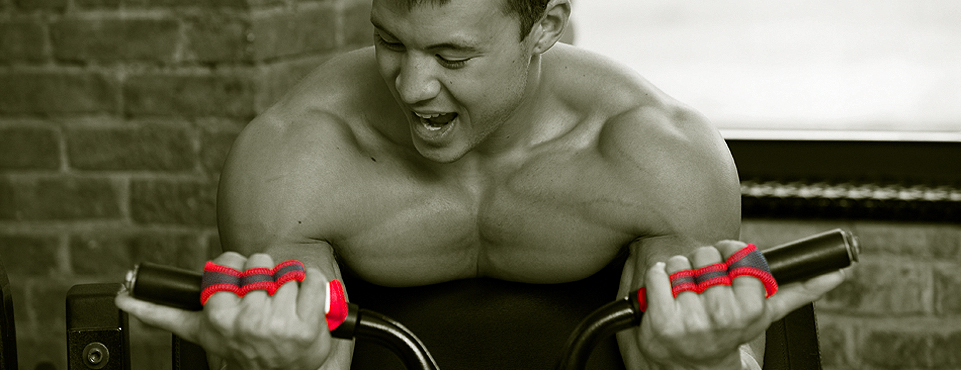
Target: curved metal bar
pixel 181 288
pixel 798 260
pixel 394 336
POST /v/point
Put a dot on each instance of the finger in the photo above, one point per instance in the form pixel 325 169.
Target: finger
pixel 660 299
pixel 675 267
pixel 710 269
pixel 712 274
pixel 284 300
pixel 744 286
pixel 257 277
pixel 687 304
pixel 224 298
pixel 311 298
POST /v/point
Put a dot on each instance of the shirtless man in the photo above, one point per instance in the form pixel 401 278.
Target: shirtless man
pixel 468 143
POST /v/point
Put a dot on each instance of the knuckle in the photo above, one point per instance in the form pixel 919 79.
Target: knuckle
pixel 669 332
pixel 729 247
pixel 697 324
pixel 704 250
pixel 724 319
pixel 221 323
pixel 753 309
pixel 304 335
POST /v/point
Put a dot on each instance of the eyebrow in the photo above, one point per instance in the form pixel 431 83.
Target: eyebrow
pixel 451 45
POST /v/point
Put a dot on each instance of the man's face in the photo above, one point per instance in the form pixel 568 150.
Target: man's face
pixel 459 70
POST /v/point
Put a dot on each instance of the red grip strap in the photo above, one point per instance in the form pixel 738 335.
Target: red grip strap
pixel 750 262
pixel 336 310
pixel 746 262
pixel 217 278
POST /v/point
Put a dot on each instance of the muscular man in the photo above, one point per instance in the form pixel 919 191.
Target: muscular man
pixel 468 151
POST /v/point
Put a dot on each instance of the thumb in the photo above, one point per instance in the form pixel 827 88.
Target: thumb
pixel 792 296
pixel 184 324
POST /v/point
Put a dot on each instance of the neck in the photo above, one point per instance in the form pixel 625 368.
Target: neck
pixel 525 124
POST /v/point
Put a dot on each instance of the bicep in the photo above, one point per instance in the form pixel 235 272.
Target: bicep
pixel 689 181
pixel 262 207
pixel 275 189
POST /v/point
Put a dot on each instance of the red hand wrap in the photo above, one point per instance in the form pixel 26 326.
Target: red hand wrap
pixel 746 262
pixel 217 278
pixel 336 310
pixel 750 262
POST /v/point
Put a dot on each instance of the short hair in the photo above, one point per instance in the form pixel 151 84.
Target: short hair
pixel 527 12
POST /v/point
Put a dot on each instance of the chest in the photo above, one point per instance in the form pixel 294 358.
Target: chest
pixel 544 222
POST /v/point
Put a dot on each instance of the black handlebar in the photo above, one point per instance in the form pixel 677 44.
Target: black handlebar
pixel 794 261
pixel 181 289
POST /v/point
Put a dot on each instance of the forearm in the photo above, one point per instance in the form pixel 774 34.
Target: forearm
pixel 744 359
pixel 318 255
pixel 341 352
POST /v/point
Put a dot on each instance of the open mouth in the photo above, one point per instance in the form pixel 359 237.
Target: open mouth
pixel 436 121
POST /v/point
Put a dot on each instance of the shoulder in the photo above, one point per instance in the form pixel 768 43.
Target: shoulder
pixel 289 161
pixel 638 125
pixel 676 156
pixel 670 156
pixel 343 85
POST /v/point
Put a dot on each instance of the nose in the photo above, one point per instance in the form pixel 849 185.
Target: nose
pixel 416 81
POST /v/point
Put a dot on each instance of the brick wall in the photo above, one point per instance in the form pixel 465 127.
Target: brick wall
pixel 115 117
pixel 900 307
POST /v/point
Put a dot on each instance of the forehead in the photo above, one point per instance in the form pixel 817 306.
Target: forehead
pixel 429 21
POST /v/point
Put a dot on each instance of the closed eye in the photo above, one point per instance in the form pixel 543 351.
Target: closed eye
pixel 393 46
pixel 452 63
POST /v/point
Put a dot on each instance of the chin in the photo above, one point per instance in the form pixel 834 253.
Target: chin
pixel 440 155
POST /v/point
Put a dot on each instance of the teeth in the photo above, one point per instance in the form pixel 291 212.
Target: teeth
pixel 427 116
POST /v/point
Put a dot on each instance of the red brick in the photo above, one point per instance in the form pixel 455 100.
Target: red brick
pixel 45 315
pixel 57 91
pixel 947 350
pixel 284 33
pixel 947 291
pixel 884 287
pixel 98 4
pixel 239 4
pixel 111 256
pixel 892 349
pixel 897 350
pixel 834 344
pixel 229 94
pixel 214 148
pixel 147 147
pixel 28 5
pixel 59 198
pixel 355 25
pixel 111 39
pixel 24 39
pixel 215 37
pixel 24 148
pixel 940 241
pixel 188 251
pixel 25 255
pixel 280 76
pixel 173 202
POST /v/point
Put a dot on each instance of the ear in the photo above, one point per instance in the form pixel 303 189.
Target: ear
pixel 551 27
